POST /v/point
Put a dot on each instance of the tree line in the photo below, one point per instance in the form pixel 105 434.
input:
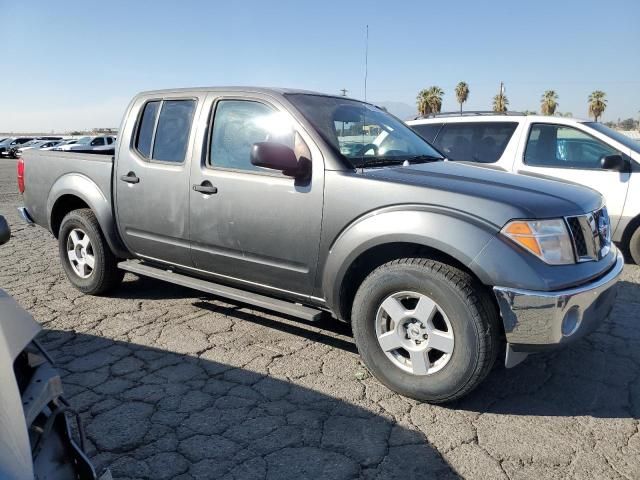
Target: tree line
pixel 429 101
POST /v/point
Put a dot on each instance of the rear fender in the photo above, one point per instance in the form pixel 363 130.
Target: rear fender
pixel 87 190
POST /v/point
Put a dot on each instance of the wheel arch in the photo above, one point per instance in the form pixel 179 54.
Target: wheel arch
pixel 373 241
pixel 75 191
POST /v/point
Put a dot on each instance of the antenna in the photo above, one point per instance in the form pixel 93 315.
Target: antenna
pixel 366 63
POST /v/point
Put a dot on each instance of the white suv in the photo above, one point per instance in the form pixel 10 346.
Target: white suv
pixel 583 152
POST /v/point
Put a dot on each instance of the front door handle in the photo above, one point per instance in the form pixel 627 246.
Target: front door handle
pixel 206 188
pixel 130 178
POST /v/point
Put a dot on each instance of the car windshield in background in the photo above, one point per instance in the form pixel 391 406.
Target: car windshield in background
pixel 365 135
pixel 617 136
pixel 84 141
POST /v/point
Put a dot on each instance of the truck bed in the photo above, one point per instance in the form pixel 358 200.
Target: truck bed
pixel 44 168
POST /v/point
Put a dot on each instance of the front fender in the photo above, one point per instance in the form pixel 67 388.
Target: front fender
pixel 452 232
pixel 89 192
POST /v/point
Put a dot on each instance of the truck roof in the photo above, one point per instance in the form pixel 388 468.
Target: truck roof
pixel 268 90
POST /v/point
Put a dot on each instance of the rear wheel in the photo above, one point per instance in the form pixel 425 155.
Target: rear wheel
pixel 425 329
pixel 85 255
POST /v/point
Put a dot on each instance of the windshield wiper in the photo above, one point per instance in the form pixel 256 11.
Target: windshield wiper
pixel 424 159
pixel 379 162
pixel 387 161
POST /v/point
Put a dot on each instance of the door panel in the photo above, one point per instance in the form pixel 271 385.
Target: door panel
pixel 570 154
pixel 259 226
pixel 152 178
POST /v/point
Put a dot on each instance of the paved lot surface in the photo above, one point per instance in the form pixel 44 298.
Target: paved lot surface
pixel 173 384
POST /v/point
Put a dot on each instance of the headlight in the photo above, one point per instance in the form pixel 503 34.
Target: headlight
pixel 548 240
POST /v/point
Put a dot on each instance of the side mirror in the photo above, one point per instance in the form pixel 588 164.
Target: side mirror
pixel 613 162
pixel 276 156
pixel 5 231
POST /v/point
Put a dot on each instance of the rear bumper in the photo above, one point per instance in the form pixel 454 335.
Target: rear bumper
pixel 535 321
pixel 24 214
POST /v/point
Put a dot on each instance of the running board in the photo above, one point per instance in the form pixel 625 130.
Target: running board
pixel 256 299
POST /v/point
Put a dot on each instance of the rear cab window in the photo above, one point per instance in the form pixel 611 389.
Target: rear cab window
pixel 481 142
pixel 164 128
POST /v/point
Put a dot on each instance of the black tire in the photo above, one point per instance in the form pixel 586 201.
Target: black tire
pixel 634 246
pixel 472 314
pixel 105 275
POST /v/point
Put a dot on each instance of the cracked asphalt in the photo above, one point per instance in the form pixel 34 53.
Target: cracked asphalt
pixel 173 384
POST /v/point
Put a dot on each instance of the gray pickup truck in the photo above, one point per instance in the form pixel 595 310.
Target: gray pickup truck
pixel 304 203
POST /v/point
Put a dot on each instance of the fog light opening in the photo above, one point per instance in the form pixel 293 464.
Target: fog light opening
pixel 571 321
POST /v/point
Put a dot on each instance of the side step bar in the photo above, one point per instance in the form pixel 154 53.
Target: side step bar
pixel 268 303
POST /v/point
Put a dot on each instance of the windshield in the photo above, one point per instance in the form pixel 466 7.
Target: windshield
pixel 361 133
pixel 84 140
pixel 619 137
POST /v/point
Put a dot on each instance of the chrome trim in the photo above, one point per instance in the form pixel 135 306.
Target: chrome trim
pixel 533 318
pixel 596 233
pixel 24 214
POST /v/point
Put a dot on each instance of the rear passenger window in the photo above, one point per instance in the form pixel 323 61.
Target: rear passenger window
pixel 482 142
pixel 428 131
pixel 172 132
pixel 237 125
pixel 172 126
pixel 145 128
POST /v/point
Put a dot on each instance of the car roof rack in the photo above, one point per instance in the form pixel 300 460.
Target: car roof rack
pixel 467 113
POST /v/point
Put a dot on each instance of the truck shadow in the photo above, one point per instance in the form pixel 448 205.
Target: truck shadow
pixel 151 413
pixel 598 376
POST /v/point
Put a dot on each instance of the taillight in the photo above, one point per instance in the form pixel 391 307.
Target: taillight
pixel 21 175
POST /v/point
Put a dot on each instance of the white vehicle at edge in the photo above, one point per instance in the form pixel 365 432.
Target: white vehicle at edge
pixel 103 142
pixel 566 149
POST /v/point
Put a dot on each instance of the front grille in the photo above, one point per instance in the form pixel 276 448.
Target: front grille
pixel 579 243
pixel 591 235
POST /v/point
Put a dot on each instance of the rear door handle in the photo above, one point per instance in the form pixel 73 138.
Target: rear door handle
pixel 130 178
pixel 206 188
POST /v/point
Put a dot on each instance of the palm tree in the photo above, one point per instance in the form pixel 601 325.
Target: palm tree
pixel 500 103
pixel 422 105
pixel 430 100
pixel 462 93
pixel 597 103
pixel 549 102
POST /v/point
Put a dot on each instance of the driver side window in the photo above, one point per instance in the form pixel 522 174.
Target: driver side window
pixel 237 125
pixel 559 146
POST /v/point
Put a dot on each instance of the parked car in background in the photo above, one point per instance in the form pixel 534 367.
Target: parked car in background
pixel 13 142
pixel 34 144
pixel 35 438
pixel 103 142
pixel 64 142
pixel 49 138
pixel 273 202
pixel 583 152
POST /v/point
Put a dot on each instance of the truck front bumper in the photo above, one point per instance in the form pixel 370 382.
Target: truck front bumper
pixel 535 321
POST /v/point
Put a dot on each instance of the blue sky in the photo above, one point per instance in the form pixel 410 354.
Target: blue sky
pixel 72 64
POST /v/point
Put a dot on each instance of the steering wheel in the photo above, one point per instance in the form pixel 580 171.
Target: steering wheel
pixel 366 148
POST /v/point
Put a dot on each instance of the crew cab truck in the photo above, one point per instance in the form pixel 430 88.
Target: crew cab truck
pixel 304 203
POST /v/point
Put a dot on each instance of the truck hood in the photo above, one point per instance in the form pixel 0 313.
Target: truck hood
pixel 490 194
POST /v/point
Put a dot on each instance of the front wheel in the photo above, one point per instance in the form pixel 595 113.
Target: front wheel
pixel 85 255
pixel 425 329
